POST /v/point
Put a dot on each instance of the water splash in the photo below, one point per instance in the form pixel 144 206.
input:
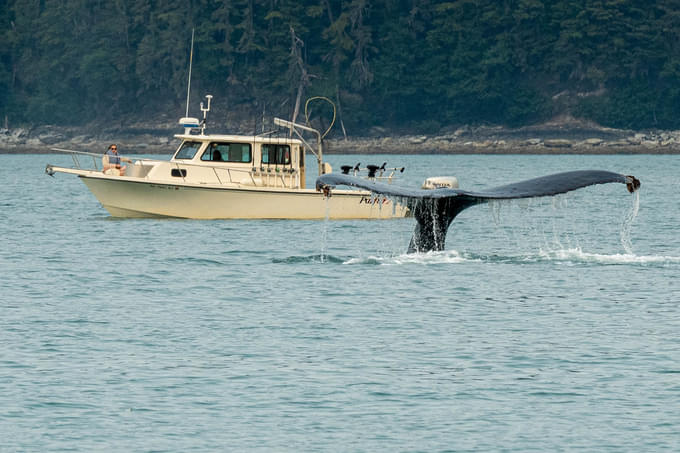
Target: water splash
pixel 568 256
pixel 576 255
pixel 627 224
pixel 443 257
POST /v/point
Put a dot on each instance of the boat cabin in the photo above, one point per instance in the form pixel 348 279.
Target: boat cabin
pixel 253 161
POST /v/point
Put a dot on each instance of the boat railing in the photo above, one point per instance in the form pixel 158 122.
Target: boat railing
pixel 75 155
pixel 388 178
pixel 96 157
pixel 257 177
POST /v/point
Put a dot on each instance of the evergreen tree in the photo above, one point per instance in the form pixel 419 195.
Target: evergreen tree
pixel 415 64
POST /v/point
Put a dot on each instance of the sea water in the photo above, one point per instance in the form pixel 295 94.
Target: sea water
pixel 546 325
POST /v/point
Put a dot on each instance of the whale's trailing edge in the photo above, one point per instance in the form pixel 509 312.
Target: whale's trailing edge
pixel 434 210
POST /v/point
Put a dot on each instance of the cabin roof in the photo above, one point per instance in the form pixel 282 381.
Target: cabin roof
pixel 238 138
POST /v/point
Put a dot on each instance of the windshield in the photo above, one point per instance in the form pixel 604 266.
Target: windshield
pixel 188 150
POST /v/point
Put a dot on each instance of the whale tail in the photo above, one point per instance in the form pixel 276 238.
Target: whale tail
pixel 434 210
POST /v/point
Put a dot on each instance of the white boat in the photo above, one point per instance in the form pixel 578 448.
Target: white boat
pixel 229 177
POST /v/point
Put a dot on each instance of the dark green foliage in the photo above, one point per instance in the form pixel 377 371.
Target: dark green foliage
pixel 636 106
pixel 418 65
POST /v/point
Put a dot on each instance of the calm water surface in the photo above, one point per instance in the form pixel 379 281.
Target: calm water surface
pixel 546 325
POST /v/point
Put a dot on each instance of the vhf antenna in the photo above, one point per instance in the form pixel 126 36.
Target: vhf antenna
pixel 191 60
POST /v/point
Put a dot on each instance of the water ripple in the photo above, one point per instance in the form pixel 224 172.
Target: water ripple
pixel 319 258
pixel 534 331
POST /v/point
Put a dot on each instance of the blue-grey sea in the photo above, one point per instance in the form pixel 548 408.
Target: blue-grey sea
pixel 546 325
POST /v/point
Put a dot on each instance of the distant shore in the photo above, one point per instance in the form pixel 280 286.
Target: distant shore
pixel 393 145
pixel 405 145
pixel 561 137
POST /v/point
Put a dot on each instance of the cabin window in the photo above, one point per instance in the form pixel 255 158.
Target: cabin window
pixel 178 172
pixel 228 152
pixel 276 154
pixel 188 150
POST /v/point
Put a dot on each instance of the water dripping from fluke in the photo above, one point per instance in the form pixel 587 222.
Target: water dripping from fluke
pixel 627 225
pixel 324 228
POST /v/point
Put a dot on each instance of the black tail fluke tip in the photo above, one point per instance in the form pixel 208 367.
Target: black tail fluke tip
pixel 325 188
pixel 632 183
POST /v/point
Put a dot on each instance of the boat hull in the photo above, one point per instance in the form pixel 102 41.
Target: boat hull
pixel 126 197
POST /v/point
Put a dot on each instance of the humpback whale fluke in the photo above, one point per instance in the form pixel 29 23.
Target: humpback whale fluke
pixel 434 210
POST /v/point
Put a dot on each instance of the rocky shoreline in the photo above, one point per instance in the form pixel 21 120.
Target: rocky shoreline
pixel 636 144
pixel 561 137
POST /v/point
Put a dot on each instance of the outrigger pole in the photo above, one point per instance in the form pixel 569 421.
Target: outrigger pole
pixel 293 127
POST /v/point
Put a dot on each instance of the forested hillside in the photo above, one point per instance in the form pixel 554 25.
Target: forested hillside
pixel 410 64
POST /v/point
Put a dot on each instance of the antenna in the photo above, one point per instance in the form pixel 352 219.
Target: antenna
pixel 191 60
pixel 205 112
pixel 187 123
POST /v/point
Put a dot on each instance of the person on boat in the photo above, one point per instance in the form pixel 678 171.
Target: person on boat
pixel 111 161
